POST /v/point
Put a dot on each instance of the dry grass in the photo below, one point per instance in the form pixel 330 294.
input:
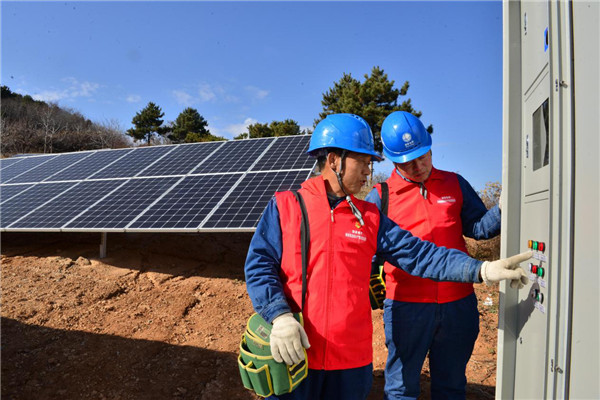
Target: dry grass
pixel 484 250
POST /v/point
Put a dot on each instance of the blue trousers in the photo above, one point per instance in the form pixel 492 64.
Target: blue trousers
pixel 447 331
pixel 342 384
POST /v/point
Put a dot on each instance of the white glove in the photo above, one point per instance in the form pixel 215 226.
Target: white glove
pixel 506 268
pixel 287 339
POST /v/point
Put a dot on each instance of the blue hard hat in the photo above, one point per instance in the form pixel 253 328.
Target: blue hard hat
pixel 343 131
pixel 404 137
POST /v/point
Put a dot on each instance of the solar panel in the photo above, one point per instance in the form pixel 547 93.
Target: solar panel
pixel 25 165
pixel 90 165
pixel 67 206
pixel 234 156
pixel 24 203
pixel 244 206
pixel 5 162
pixel 189 187
pixel 188 203
pixel 133 162
pixel 182 160
pixel 288 152
pixel 118 209
pixel 22 155
pixel 9 191
pixel 47 169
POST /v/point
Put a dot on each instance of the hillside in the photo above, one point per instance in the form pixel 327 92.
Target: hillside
pixel 34 126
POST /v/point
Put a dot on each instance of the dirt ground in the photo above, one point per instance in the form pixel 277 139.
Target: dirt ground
pixel 159 318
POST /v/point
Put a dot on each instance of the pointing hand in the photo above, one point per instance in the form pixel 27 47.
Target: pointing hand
pixel 506 268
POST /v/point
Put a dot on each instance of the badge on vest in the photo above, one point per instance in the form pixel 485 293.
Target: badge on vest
pixel 356 234
pixel 446 199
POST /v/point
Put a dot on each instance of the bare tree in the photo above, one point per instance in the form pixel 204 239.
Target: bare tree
pixel 490 195
pixel 32 126
pixel 109 135
pixel 51 124
pixel 20 136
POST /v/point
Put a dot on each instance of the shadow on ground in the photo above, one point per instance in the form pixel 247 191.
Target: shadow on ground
pixel 44 363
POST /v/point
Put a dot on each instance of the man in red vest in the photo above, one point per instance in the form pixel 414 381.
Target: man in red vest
pixel 422 315
pixel 345 233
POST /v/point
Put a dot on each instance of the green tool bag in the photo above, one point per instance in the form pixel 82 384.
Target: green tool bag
pixel 259 371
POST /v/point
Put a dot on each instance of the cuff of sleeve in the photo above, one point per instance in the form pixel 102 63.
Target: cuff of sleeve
pixel 472 271
pixel 496 212
pixel 274 310
pixel 483 273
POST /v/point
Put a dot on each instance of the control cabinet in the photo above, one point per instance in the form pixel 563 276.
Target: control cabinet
pixel 549 331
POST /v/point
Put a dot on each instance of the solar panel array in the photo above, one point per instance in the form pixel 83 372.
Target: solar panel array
pixel 212 186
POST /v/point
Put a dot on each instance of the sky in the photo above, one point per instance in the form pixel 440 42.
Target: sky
pixel 239 63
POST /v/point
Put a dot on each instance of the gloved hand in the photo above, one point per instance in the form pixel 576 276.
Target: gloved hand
pixel 287 339
pixel 506 268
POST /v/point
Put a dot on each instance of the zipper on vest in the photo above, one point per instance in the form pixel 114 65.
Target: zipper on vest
pixel 328 306
pixel 427 210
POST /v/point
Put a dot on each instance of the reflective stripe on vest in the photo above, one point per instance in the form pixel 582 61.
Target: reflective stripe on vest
pixel 337 312
pixel 435 219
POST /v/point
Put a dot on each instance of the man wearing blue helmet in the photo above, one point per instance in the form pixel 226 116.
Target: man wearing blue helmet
pixel 423 315
pixel 345 234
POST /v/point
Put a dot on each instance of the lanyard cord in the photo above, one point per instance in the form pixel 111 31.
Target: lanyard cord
pixel 423 189
pixel 355 210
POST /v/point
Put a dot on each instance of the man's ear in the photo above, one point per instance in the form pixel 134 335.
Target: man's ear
pixel 332 160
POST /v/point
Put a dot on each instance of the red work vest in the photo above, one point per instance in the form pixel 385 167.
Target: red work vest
pixel 435 219
pixel 337 312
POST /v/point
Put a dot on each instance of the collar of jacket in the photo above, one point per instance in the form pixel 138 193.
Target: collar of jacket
pixel 397 183
pixel 316 187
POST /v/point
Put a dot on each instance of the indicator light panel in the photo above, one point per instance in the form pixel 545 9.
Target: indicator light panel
pixel 535 245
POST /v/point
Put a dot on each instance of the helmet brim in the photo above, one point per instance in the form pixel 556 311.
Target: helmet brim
pixel 374 155
pixel 396 158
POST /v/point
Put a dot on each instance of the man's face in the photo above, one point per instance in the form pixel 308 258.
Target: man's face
pixel 356 171
pixel 417 170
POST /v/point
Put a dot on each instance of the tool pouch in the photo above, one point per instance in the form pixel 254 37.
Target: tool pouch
pixel 377 287
pixel 259 371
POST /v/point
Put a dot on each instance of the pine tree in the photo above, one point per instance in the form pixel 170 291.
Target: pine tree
pixel 288 127
pixel 189 127
pixel 147 123
pixel 374 99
